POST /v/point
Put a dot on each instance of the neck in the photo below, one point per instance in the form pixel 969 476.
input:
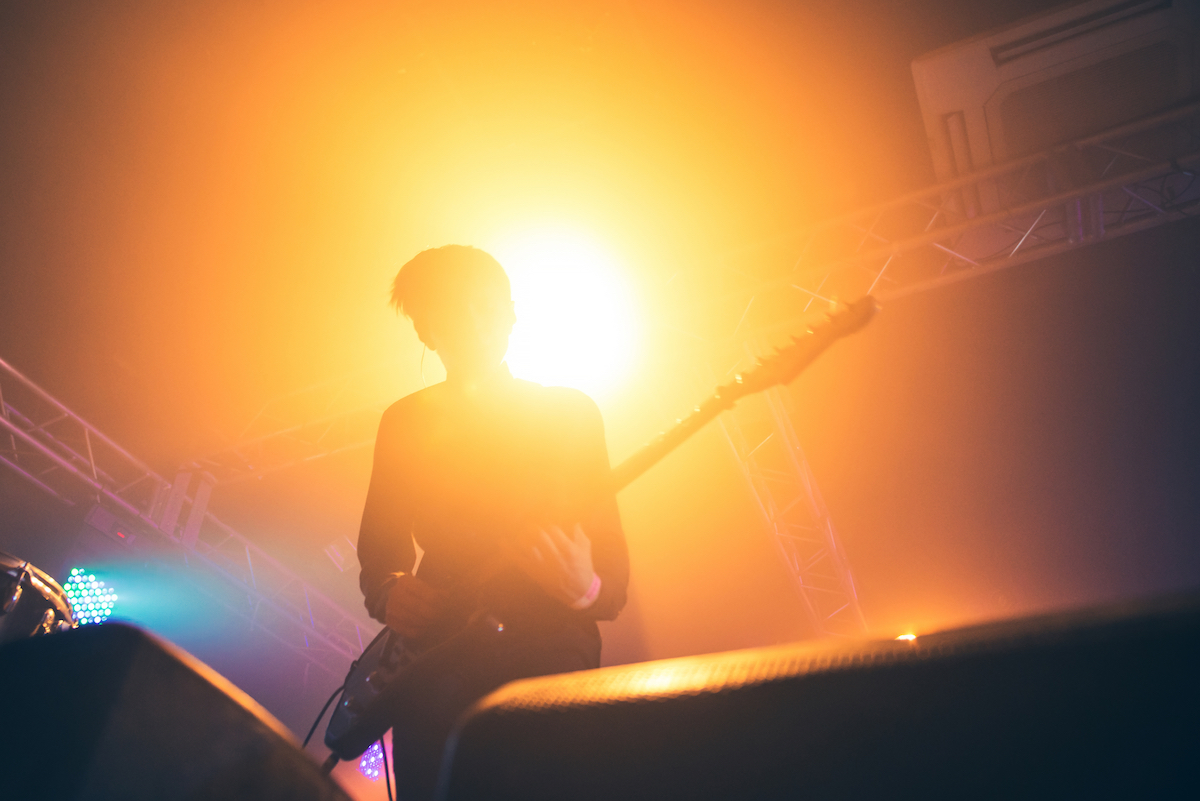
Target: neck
pixel 475 379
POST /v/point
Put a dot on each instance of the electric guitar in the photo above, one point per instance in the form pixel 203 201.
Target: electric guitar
pixel 361 716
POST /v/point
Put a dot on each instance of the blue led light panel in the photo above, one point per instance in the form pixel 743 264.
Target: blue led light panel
pixel 92 600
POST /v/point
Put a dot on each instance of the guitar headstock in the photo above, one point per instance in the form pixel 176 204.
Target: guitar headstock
pixel 787 362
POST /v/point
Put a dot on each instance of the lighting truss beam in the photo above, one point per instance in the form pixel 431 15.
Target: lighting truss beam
pixel 1127 179
pixel 62 454
pixel 1123 180
pixel 299 427
pixel 766 448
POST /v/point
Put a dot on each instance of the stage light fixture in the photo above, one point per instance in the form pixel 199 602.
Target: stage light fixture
pixel 91 599
pixel 371 762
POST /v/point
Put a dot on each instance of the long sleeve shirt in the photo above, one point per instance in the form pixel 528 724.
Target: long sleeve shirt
pixel 459 471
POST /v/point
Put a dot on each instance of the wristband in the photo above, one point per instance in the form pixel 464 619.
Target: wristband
pixel 590 596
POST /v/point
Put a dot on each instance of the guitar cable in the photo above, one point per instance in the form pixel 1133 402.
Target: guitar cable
pixel 331 761
pixel 387 773
pixel 324 709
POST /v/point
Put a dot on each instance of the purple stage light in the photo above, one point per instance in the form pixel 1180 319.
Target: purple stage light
pixel 91 599
pixel 371 762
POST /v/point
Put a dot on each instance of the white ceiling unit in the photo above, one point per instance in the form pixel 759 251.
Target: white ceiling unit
pixel 1067 73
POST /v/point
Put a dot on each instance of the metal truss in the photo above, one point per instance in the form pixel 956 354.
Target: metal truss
pixel 299 427
pixel 764 443
pixel 1127 179
pixel 63 455
pixel 1117 182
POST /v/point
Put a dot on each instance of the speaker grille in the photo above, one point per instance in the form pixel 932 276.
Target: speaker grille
pixel 1100 702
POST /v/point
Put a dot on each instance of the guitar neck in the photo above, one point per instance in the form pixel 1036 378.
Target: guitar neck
pixel 651 453
pixel 780 368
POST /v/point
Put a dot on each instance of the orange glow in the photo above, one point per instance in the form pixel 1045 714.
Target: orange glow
pixel 241 182
pixel 611 157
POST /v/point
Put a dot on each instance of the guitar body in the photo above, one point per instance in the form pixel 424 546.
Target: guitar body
pixel 377 678
pixel 361 717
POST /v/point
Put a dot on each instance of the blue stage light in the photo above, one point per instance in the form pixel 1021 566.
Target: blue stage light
pixel 371 762
pixel 92 600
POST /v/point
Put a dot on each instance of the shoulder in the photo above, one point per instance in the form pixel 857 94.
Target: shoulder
pixel 565 397
pixel 411 406
pixel 560 402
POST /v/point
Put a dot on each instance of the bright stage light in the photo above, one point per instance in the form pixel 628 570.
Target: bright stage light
pixel 576 325
pixel 91 600
pixel 371 762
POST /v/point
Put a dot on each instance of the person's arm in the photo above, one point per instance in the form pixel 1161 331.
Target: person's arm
pixel 584 566
pixel 385 545
pixel 610 554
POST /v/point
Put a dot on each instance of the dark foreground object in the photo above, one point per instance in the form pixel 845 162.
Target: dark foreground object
pixel 1102 703
pixel 109 712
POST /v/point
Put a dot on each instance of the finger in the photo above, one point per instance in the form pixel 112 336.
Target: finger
pixel 557 534
pixel 553 537
pixel 570 546
pixel 551 542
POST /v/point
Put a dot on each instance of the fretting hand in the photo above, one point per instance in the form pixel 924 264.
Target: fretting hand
pixel 560 562
pixel 413 605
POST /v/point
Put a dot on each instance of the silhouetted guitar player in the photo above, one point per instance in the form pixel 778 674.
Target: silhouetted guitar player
pixel 505 485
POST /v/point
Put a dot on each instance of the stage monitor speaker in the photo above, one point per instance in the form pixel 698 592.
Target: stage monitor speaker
pixel 1097 704
pixel 110 712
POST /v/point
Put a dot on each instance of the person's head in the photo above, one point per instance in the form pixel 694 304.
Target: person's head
pixel 460 303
